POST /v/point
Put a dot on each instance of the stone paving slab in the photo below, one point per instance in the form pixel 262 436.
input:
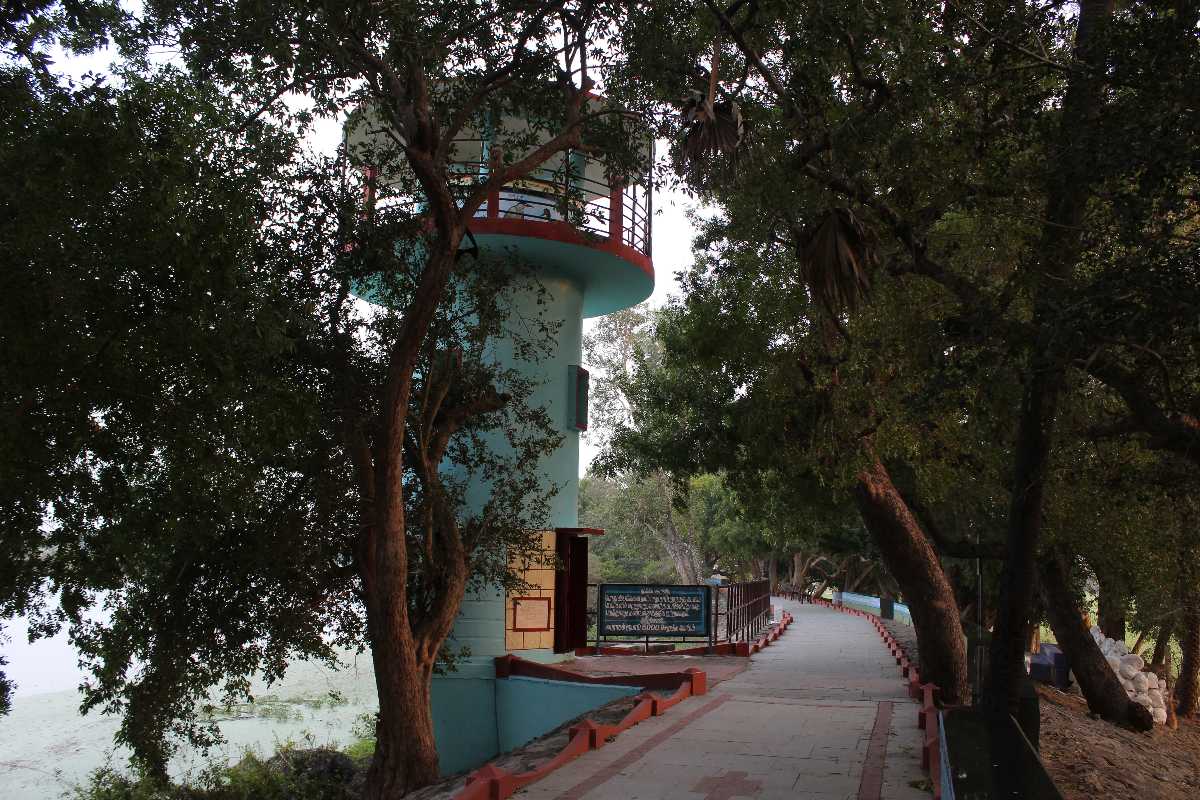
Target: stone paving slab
pixel 821 714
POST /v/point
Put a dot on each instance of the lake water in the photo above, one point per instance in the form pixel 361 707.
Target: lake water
pixel 47 747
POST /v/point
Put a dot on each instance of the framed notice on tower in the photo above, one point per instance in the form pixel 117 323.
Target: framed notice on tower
pixel 531 614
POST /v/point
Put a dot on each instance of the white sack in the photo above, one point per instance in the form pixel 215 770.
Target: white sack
pixel 1134 660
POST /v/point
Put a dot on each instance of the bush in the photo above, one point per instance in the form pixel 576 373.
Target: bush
pixel 291 774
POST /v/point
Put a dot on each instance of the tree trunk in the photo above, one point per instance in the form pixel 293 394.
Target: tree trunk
pixel 1025 525
pixel 683 566
pixel 1111 606
pixel 405 752
pixel 1169 693
pixel 820 588
pixel 1162 644
pixel 1100 686
pixel 911 560
pixel 831 577
pixel 800 568
pixel 683 555
pixel 1069 190
pixel 773 572
pixel 1137 644
pixel 854 584
pixel 1187 685
pixel 403 649
pixel 403 652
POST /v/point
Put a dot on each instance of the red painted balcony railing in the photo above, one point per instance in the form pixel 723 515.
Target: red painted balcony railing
pixel 607 209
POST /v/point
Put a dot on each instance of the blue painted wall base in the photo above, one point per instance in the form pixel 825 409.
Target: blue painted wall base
pixel 528 707
pixel 464 722
pixel 477 718
pixel 866 602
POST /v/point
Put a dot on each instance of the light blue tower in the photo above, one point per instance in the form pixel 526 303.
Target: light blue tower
pixel 586 239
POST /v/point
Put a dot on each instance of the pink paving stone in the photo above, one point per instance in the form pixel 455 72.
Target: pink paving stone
pixel 727 786
pixel 809 718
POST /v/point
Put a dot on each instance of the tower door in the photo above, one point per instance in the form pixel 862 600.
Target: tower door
pixel 570 591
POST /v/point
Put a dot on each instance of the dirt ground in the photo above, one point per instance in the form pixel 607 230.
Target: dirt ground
pixel 1090 759
pixel 906 635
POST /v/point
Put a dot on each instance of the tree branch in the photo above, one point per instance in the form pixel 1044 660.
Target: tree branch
pixel 1172 431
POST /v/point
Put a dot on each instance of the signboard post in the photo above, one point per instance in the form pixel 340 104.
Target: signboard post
pixel 638 609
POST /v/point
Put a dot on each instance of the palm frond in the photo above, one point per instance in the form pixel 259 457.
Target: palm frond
pixel 713 133
pixel 837 256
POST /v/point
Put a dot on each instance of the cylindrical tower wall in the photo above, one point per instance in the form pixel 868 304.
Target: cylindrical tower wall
pixel 480 624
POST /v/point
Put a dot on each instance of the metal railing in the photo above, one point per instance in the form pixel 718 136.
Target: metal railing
pixel 607 209
pixel 749 611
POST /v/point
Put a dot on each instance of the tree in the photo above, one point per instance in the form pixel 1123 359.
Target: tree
pixel 698 530
pixel 647 510
pixel 776 400
pixel 1104 693
pixel 1187 687
pixel 160 445
pixel 615 345
pixel 884 149
pixel 325 441
pixel 626 553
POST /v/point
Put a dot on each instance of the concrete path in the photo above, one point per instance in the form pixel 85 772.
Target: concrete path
pixel 819 714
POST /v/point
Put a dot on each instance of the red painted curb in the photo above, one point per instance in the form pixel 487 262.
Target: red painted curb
pixel 510 665
pixel 607 771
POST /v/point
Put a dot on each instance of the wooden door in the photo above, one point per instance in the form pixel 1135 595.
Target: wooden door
pixel 570 592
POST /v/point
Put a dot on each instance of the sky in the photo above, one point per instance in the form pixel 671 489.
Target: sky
pixel 49 665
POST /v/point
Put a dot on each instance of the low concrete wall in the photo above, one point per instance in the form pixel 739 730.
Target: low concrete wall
pixel 464 722
pixel 475 718
pixel 526 708
pixel 866 602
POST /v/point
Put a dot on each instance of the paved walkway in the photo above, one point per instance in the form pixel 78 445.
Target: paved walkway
pixel 820 714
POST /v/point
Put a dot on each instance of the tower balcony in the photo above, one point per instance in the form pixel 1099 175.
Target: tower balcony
pixel 573 221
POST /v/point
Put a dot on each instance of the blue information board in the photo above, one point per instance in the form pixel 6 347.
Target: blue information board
pixel 640 609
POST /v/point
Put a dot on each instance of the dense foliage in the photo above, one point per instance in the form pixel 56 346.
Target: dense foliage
pixel 941 318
